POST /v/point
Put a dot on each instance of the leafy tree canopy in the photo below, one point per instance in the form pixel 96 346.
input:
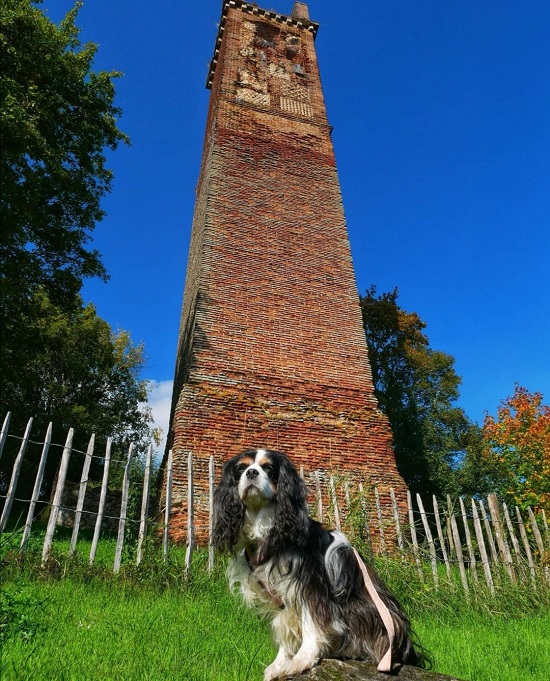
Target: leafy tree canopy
pixel 416 387
pixel 57 117
pixel 515 450
pixel 80 374
pixel 59 361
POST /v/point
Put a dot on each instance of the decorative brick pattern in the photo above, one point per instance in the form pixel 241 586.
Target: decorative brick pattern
pixel 272 352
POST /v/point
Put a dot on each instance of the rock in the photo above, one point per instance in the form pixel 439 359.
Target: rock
pixel 355 670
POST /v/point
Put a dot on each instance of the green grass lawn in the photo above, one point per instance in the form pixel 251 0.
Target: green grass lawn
pixel 489 648
pixel 72 623
pixel 105 631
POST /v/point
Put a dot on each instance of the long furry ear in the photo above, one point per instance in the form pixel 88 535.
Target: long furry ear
pixel 228 510
pixel 291 515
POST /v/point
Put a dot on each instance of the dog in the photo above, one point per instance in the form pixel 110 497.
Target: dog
pixel 322 598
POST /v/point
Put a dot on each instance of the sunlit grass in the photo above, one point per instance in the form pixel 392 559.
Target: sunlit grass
pixel 489 649
pixel 68 621
pixel 102 631
pixel 92 625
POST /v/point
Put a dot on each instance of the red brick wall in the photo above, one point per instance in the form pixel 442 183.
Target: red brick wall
pixel 272 352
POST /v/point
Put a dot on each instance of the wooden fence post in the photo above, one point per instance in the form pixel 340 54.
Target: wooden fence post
pixel 123 510
pixel 413 536
pixel 37 487
pixel 15 477
pixel 4 432
pixel 488 532
pixel 471 553
pixel 319 497
pixel 144 505
pixel 526 546
pixel 81 494
pixel 512 533
pixel 459 556
pixel 449 528
pixel 190 514
pixel 429 537
pixel 168 505
pixel 482 550
pixel 400 541
pixel 102 500
pixel 380 521
pixel 501 540
pixel 211 487
pixel 332 486
pixel 536 531
pixel 441 538
pixel 54 511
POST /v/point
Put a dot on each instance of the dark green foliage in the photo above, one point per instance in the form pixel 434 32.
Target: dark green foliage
pixel 77 373
pixel 59 361
pixel 416 387
pixel 57 117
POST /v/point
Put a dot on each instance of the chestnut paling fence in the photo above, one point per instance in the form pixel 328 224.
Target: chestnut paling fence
pixel 481 540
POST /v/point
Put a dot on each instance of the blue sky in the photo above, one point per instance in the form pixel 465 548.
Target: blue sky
pixel 441 115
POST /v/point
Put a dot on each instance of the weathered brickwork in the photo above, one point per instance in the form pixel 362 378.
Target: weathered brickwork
pixel 272 352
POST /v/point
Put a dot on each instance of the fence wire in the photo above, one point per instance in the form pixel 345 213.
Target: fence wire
pixel 431 539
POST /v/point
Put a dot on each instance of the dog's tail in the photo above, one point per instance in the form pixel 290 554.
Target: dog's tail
pixel 417 655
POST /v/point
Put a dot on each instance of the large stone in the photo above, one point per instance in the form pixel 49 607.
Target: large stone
pixel 354 670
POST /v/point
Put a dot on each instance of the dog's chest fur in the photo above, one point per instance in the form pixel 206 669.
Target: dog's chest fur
pixel 272 595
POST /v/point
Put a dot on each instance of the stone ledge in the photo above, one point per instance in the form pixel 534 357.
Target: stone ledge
pixel 355 670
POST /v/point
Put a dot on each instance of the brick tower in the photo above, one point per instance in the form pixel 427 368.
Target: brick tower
pixel 272 352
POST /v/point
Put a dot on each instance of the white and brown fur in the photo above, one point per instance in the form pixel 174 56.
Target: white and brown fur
pixel 304 578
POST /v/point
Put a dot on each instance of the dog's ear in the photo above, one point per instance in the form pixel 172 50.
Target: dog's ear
pixel 228 509
pixel 291 514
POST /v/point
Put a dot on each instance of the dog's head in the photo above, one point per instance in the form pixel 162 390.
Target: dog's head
pixel 259 479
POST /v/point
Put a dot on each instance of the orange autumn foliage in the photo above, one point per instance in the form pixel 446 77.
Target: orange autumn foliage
pixel 517 444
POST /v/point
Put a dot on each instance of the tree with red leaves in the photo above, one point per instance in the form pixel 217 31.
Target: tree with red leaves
pixel 516 448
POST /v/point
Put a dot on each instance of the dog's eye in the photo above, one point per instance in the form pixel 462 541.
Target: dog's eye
pixel 271 472
pixel 239 469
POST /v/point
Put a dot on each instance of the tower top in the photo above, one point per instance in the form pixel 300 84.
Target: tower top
pixel 300 11
pixel 299 18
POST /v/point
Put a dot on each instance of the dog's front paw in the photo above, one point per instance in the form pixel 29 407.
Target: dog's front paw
pixel 299 665
pixel 273 672
pixel 289 668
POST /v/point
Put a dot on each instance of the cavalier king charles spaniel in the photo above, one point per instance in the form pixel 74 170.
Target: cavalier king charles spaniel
pixel 322 598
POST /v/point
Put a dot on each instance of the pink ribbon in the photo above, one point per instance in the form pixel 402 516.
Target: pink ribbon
pixel 385 663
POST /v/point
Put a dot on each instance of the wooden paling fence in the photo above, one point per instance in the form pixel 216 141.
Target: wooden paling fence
pixel 480 539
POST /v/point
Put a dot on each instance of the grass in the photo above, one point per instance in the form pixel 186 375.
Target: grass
pixel 69 622
pixel 489 649
pixel 105 631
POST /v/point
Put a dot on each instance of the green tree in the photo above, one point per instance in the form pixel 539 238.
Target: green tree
pixel 57 117
pixel 58 360
pixel 79 374
pixel 416 387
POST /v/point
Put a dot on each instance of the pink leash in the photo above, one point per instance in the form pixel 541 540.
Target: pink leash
pixel 385 663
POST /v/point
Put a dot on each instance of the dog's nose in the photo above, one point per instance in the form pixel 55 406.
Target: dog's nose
pixel 252 473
